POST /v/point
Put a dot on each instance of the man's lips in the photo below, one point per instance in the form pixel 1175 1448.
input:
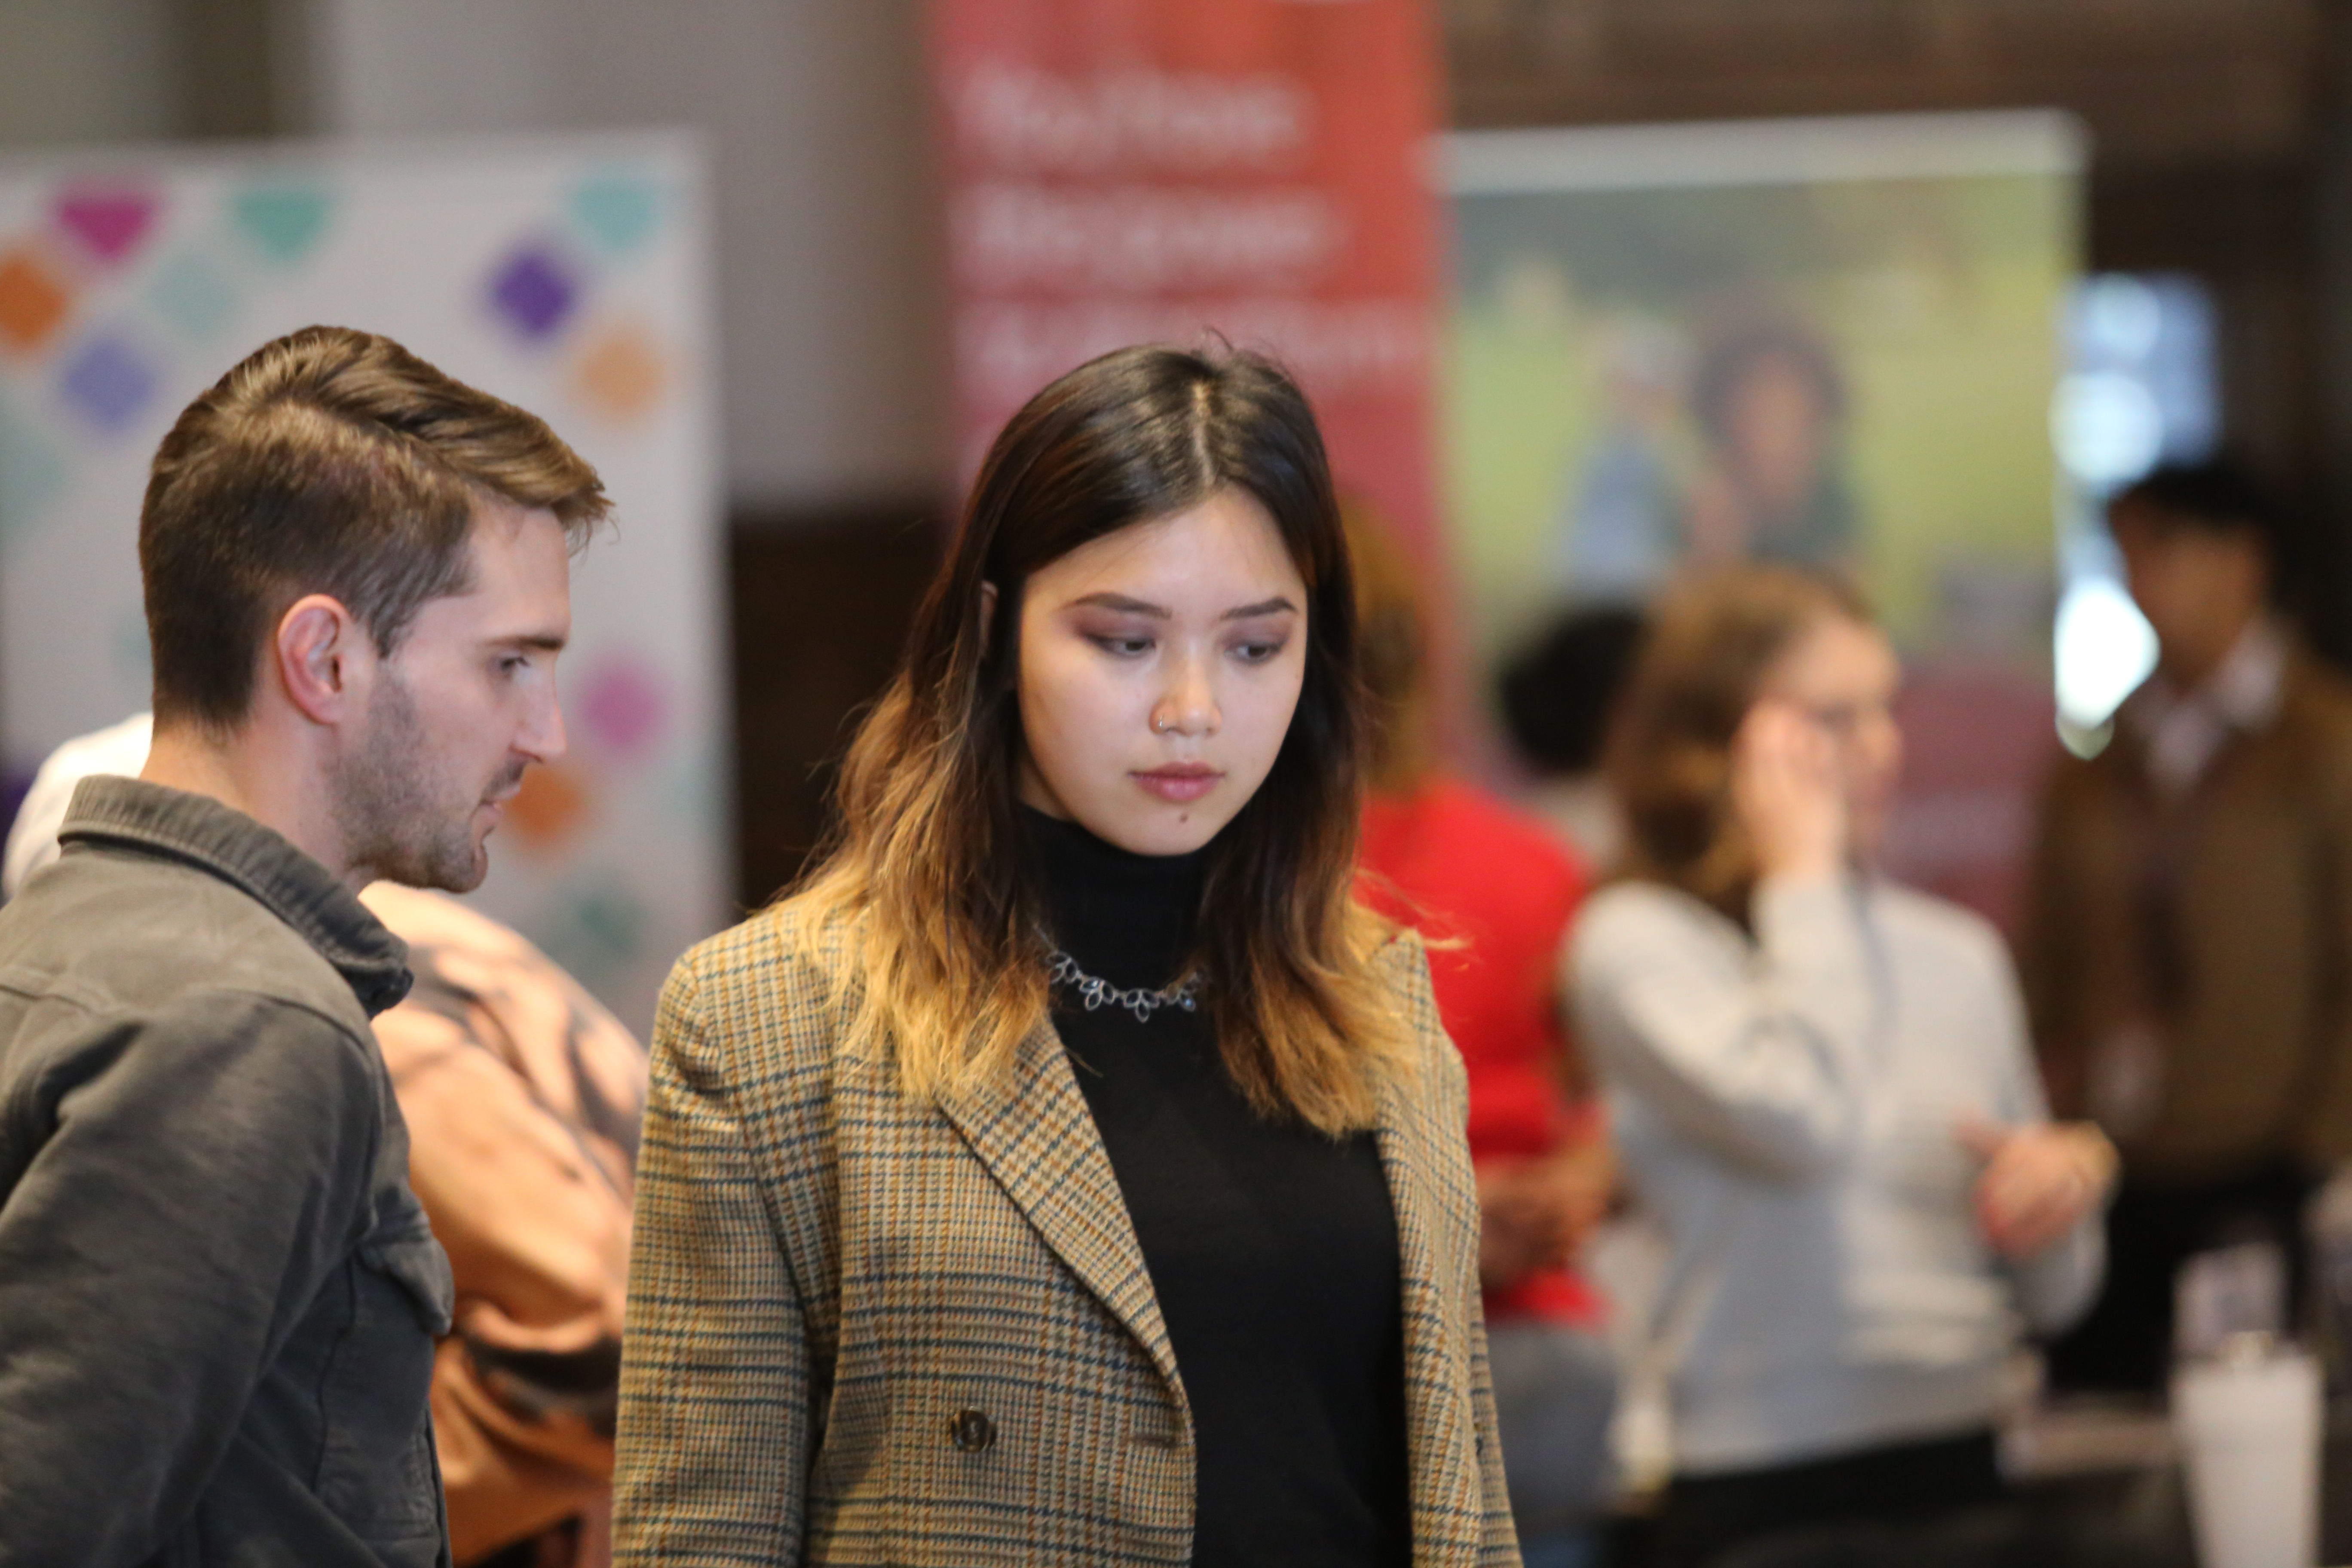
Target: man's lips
pixel 1179 780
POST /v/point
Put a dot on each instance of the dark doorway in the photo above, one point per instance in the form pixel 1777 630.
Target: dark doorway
pixel 821 605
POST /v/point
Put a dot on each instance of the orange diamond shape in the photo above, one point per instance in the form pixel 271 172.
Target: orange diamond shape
pixel 622 374
pixel 32 302
pixel 552 805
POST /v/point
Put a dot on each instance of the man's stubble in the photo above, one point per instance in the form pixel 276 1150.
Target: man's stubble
pixel 400 816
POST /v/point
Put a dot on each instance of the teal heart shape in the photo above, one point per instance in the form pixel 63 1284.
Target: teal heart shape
pixel 616 211
pixel 284 221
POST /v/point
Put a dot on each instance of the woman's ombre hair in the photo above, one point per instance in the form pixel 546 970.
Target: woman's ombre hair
pixel 929 865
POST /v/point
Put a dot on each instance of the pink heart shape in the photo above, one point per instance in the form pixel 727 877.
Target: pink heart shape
pixel 108 222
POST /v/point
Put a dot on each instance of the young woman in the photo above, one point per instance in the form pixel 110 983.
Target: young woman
pixel 1071 1172
pixel 1819 1082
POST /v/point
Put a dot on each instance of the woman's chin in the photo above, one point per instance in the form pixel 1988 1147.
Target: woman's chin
pixel 1159 827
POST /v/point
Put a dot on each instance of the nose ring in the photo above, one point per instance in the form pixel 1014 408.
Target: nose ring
pixel 1161 726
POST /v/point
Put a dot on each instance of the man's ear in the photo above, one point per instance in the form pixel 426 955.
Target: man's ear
pixel 322 658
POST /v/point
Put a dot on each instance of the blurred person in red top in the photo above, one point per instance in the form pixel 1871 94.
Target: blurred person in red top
pixel 1494 893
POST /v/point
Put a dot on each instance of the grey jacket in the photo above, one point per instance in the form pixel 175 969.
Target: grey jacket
pixel 219 1297
pixel 1787 1104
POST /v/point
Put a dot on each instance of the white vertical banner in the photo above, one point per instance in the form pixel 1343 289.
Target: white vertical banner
pixel 570 275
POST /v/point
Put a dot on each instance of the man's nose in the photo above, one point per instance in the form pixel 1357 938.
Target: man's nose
pixel 543 740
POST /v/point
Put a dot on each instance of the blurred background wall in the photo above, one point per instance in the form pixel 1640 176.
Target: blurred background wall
pixel 2220 149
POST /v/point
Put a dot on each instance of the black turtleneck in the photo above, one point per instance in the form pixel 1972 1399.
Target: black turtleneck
pixel 1272 1248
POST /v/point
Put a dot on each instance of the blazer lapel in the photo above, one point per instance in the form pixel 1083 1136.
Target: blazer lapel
pixel 1036 1137
pixel 1440 1424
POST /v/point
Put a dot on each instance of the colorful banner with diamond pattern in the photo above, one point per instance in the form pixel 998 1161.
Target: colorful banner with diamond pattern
pixel 569 276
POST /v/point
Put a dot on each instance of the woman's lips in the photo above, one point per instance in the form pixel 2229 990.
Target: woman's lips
pixel 1179 780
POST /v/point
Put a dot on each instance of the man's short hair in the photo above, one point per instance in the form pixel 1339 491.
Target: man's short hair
pixel 1558 694
pixel 330 461
pixel 2216 495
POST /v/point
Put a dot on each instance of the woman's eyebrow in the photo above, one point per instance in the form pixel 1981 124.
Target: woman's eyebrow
pixel 1132 607
pixel 1122 604
pixel 1273 607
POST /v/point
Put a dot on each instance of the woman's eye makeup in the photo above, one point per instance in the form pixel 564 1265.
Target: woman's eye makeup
pixel 1251 645
pixel 1127 642
pixel 1258 641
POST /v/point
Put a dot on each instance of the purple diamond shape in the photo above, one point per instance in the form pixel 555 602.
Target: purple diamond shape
pixel 107 381
pixel 534 291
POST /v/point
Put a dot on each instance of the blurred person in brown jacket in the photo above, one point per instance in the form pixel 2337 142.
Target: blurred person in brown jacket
pixel 523 1096
pixel 2189 941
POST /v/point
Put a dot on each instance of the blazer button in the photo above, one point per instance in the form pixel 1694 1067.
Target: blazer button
pixel 971 1430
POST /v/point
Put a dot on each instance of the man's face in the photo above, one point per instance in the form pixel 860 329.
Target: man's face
pixel 2198 587
pixel 464 704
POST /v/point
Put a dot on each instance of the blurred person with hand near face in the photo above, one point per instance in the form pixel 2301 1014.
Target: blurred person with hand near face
pixel 2189 931
pixel 1820 1084
pixel 1495 893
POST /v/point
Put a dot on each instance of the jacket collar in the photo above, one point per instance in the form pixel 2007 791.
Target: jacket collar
pixel 147 819
pixel 1035 1133
pixel 2182 733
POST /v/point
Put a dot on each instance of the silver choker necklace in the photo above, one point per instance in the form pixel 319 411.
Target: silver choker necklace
pixel 1061 969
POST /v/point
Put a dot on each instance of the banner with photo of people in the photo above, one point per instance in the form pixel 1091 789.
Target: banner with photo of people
pixel 1831 343
pixel 571 276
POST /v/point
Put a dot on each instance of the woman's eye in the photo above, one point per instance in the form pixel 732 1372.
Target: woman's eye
pixel 1258 652
pixel 1124 647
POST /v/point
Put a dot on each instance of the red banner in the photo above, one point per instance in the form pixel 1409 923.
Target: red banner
pixel 1133 170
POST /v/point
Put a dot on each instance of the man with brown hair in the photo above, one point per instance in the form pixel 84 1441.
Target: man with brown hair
pixel 2189 937
pixel 218 1295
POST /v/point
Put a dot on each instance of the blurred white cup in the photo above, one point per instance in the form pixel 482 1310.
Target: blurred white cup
pixel 2250 1428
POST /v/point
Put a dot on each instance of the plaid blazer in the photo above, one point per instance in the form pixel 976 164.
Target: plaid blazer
pixel 829 1281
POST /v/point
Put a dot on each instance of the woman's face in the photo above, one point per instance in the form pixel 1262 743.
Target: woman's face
pixel 1779 432
pixel 1843 674
pixel 1160 667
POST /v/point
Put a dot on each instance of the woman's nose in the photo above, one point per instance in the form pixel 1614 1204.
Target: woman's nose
pixel 1189 705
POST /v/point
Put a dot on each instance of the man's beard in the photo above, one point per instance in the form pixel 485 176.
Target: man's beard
pixel 400 819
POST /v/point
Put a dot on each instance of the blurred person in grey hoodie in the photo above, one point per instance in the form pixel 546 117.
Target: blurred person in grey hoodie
pixel 1820 1084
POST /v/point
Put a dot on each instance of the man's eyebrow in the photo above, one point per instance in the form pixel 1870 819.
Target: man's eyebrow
pixel 1121 603
pixel 1273 607
pixel 536 642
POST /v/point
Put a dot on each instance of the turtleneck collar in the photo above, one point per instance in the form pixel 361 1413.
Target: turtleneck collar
pixel 1129 918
